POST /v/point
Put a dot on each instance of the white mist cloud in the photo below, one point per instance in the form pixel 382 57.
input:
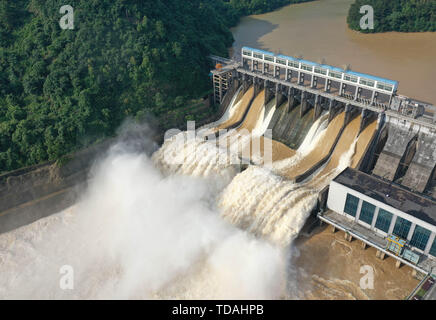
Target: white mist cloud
pixel 139 234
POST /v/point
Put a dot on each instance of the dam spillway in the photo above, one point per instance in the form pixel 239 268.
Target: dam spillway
pixel 271 203
pixel 311 87
pixel 286 119
pixel 370 128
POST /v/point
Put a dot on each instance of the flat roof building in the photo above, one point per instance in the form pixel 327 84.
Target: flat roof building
pixel 377 211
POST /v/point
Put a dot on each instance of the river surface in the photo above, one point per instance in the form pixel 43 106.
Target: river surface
pixel 318 30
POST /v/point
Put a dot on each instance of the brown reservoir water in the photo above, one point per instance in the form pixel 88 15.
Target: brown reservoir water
pixel 318 30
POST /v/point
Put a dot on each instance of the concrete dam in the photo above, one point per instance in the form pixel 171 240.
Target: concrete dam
pixel 341 127
pixel 319 125
pixel 323 125
pixel 403 149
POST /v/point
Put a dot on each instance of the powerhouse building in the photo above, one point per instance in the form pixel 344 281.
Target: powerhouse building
pixel 397 221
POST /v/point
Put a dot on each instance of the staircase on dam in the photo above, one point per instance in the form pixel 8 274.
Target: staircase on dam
pixel 419 173
pixel 399 137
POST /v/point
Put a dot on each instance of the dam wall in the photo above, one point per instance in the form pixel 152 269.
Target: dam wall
pixel 31 193
pixel 289 127
pixel 304 175
pixel 233 87
pixel 368 159
pixel 419 174
pixel 400 135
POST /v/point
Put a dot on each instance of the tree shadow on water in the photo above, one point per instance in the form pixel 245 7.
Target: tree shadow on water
pixel 249 32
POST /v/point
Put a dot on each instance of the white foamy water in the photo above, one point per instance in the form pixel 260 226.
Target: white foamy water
pixel 181 224
pixel 315 133
pixel 138 234
pixel 264 119
pixel 188 154
pixel 271 207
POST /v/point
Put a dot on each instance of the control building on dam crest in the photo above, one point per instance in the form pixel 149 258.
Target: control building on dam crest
pixel 401 157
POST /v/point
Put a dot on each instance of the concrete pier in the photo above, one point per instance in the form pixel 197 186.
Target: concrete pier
pixel 419 173
pixel 350 113
pixel 399 136
pixel 258 86
pixel 334 109
pixel 233 87
pixel 367 117
pixel 292 102
pixel 380 254
pixel 305 106
pixel 318 108
pixel 246 83
pixel 269 93
pixel 280 97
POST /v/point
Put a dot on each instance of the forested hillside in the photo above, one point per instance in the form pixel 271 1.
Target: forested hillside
pixel 396 15
pixel 61 90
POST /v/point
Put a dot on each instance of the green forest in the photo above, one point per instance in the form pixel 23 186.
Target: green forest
pixel 396 15
pixel 62 90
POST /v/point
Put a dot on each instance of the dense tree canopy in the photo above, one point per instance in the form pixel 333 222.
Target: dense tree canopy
pixel 61 90
pixel 396 15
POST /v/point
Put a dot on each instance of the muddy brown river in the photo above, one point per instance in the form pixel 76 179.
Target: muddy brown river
pixel 318 30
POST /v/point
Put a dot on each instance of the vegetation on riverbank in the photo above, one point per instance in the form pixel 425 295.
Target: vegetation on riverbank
pixel 396 15
pixel 61 90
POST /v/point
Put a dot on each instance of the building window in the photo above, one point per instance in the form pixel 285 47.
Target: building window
pixel 368 83
pixel 367 212
pixel 433 248
pixel 281 61
pixel 335 75
pixel 351 205
pixel 269 58
pixel 420 237
pixel 384 219
pixel 320 71
pixel 258 56
pixel 383 86
pixel 306 67
pixel 402 227
pixel 294 64
pixel 246 53
pixel 380 86
pixel 350 78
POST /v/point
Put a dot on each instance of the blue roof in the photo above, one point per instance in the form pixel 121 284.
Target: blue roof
pixel 367 76
pixel 310 63
pixel 325 66
pixel 260 51
pixel 286 57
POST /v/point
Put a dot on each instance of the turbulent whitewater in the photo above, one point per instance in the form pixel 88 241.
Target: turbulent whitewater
pixel 199 219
